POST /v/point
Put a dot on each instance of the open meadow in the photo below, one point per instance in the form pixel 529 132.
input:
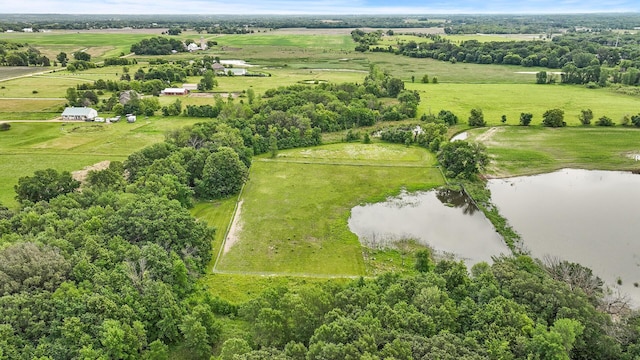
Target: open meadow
pixel 519 150
pixel 70 146
pixel 496 100
pixel 294 208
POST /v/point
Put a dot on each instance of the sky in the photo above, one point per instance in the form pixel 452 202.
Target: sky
pixel 316 7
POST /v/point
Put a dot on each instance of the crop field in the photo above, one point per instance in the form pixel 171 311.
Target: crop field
pixel 332 42
pixel 513 99
pixel 309 193
pixel 70 146
pixel 516 150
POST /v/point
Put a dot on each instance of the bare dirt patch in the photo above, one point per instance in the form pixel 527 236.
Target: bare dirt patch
pixel 635 155
pixel 487 136
pixel 81 175
pixel 234 230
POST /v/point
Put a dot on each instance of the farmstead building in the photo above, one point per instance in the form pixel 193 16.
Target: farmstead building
pixel 79 113
pixel 175 91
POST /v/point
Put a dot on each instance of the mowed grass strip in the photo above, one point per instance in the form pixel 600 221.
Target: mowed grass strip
pixel 294 215
pixel 513 99
pixel 518 150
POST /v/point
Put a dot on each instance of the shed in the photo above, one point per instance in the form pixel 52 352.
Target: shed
pixel 79 113
pixel 237 71
pixel 175 91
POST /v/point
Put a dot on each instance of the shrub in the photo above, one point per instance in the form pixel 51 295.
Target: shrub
pixel 5 126
pixel 553 118
pixel 586 115
pixel 476 118
pixel 525 119
pixel 604 121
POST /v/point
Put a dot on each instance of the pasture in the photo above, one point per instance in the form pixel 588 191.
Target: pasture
pixel 513 99
pixel 303 229
pixel 70 146
pixel 519 150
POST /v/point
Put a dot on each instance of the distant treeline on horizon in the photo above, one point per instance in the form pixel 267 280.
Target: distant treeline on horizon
pixel 516 23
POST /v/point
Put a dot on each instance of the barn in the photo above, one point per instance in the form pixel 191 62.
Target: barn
pixel 79 113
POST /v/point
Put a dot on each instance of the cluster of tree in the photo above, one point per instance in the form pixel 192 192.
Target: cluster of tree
pixel 297 114
pixel 119 61
pixel 537 24
pixel 158 46
pixel 365 39
pixel 598 58
pixel 208 160
pixel 108 272
pixel 429 135
pixel 512 309
pixel 11 54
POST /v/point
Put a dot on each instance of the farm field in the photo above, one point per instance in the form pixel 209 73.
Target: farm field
pixel 516 150
pixel 513 99
pixel 70 146
pixel 310 193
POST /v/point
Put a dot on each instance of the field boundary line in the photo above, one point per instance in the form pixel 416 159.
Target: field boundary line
pixel 279 274
pixel 346 163
pixel 226 232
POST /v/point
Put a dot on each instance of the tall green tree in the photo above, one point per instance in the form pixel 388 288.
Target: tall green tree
pixel 44 185
pixel 476 118
pixel 223 174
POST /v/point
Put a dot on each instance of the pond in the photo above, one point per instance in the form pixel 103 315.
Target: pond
pixel 447 221
pixel 587 217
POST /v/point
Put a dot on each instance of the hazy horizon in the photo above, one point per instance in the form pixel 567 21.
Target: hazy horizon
pixel 311 7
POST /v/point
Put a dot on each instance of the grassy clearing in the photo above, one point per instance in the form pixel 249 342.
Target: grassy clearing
pixel 46 86
pixel 241 288
pixel 99 45
pixel 456 39
pixel 404 67
pixel 217 214
pixel 513 99
pixel 310 192
pixel 334 42
pixel 7 72
pixel 30 105
pixel 521 151
pixel 71 146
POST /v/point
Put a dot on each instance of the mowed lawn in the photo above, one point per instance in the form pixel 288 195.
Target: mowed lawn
pixel 518 150
pixel 513 99
pixel 293 218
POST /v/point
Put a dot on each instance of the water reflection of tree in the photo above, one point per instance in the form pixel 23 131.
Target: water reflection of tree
pixel 458 199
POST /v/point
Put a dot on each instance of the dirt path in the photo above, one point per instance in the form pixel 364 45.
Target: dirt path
pixel 81 175
pixel 487 135
pixel 234 230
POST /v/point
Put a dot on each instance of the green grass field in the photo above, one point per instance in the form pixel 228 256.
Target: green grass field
pixel 28 147
pixel 513 99
pixel 303 229
pixel 516 150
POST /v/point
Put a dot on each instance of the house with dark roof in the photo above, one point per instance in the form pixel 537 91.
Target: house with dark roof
pixel 79 113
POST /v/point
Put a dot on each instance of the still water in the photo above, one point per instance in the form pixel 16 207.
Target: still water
pixel 445 220
pixel 588 217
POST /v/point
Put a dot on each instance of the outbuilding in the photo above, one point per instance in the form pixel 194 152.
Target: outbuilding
pixel 79 113
pixel 175 91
